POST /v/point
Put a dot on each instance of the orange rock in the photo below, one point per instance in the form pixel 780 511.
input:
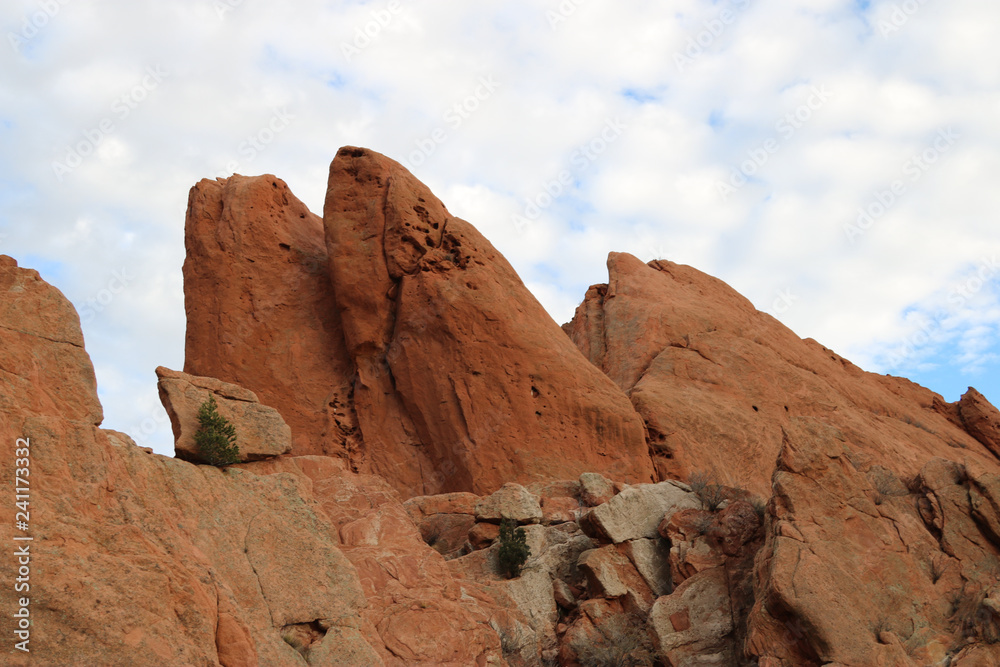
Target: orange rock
pixel 260 430
pixel 261 311
pixel 981 419
pixel 715 381
pixel 841 564
pixel 464 381
pixel 559 509
pixel 483 535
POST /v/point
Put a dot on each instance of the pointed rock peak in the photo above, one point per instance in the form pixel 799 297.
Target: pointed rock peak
pixel 464 381
pixel 413 221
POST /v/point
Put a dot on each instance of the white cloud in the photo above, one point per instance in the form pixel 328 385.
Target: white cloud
pixel 652 192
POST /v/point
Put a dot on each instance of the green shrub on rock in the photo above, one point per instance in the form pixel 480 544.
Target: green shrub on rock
pixel 216 437
pixel 514 549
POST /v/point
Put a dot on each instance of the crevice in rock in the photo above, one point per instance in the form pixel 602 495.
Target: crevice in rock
pixel 246 553
pixel 40 337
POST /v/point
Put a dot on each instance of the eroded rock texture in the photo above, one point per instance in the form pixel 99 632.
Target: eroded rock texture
pixel 716 381
pixel 399 338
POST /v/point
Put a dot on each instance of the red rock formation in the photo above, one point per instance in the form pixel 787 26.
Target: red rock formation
pixel 425 360
pixel 143 560
pixel 261 311
pixel 464 381
pixel 860 570
pixel 715 380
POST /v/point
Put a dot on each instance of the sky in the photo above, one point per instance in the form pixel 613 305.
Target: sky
pixel 836 162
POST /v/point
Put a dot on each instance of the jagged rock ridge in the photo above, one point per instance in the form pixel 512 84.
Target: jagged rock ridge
pixel 365 331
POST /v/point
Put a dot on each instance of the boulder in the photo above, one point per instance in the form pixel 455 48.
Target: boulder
pixel 693 625
pixel 559 509
pixel 610 574
pixel 651 558
pixel 595 489
pixel 260 430
pixel 637 511
pixel 511 501
pixel 483 535
pixel 445 503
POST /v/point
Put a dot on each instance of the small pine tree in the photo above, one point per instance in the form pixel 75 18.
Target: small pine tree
pixel 514 549
pixel 216 437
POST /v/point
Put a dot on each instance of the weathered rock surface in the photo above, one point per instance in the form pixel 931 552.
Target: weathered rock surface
pixel 464 382
pixel 260 430
pixel 510 501
pixel 715 380
pixel 139 559
pixel 407 359
pixel 394 335
pixel 637 511
pixel 847 560
pixel 981 419
pixel 692 624
pixel 261 311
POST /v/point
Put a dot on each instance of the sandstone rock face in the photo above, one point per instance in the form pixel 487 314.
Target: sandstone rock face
pixel 715 381
pixel 394 335
pixel 463 380
pixel 981 419
pixel 848 562
pixel 261 311
pixel 48 369
pixel 143 560
pixel 260 430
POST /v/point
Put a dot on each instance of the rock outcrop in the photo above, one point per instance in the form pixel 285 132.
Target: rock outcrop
pixel 860 568
pixel 403 342
pixel 715 381
pixel 138 559
pixel 262 432
pixel 397 392
pixel 261 312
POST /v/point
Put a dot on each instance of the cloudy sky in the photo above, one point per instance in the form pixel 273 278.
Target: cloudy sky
pixel 835 161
